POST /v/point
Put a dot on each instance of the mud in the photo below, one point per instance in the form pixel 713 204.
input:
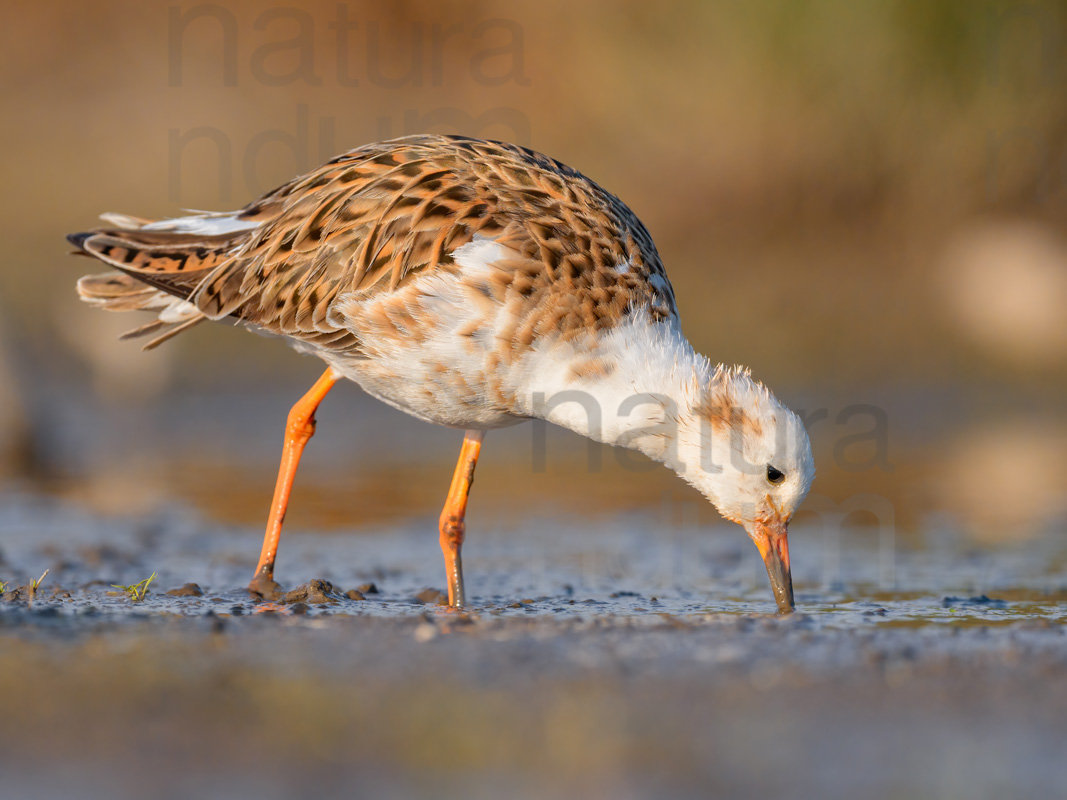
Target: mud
pixel 598 658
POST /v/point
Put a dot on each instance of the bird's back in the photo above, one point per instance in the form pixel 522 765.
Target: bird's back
pixel 373 220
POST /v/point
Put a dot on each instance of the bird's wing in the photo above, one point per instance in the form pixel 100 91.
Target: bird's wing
pixel 373 219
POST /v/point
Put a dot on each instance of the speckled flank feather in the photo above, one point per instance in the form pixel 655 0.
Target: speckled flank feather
pixel 372 220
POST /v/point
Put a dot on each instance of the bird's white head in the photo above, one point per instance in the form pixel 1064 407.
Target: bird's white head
pixel 719 429
pixel 751 457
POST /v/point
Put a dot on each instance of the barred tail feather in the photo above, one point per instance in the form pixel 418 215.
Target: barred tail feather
pixel 116 291
pixel 158 264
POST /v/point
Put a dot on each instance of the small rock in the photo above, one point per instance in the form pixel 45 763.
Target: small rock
pixel 188 590
pixel 432 597
pixel 14 596
pixel 355 594
pixel 367 588
pixel 299 608
pixel 316 592
pixel 297 595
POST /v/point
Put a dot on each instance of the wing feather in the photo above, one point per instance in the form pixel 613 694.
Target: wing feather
pixel 374 219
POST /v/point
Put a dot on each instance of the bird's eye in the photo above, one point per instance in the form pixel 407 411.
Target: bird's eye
pixel 775 475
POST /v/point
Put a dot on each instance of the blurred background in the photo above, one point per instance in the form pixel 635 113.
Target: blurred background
pixel 864 202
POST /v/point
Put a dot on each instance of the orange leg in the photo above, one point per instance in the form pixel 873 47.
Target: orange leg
pixel 452 525
pixel 299 428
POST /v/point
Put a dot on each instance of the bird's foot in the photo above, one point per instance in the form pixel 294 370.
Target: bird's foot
pixel 264 587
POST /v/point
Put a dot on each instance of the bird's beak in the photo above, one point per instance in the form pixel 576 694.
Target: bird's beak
pixel 770 538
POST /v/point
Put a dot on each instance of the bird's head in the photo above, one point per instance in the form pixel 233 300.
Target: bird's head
pixel 754 464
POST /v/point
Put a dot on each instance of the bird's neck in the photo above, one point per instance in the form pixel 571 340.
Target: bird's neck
pixel 636 386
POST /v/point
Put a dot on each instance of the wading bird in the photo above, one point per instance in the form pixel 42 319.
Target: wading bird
pixel 473 284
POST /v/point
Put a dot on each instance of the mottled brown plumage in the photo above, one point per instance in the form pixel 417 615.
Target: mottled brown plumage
pixel 371 220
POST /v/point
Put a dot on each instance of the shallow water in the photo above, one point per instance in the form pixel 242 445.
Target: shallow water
pixel 563 568
pixel 620 657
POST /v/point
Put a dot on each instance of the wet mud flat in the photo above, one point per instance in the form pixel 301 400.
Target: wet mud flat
pixel 597 659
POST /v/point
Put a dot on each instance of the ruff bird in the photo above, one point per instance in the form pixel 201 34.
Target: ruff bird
pixel 473 284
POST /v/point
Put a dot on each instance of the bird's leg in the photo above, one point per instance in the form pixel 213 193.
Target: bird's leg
pixel 298 429
pixel 452 524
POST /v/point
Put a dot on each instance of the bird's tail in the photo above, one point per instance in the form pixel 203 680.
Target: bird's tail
pixel 158 265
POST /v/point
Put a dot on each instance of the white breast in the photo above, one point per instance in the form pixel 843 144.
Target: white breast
pixel 449 370
pixel 459 368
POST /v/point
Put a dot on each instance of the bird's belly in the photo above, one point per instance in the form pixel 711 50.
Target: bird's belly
pixel 430 393
pixel 437 350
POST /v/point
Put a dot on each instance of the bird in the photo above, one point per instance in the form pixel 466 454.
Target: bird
pixel 474 284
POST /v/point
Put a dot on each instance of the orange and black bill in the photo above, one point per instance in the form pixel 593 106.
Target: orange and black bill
pixel 770 538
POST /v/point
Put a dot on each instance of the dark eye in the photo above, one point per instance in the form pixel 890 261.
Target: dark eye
pixel 775 475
